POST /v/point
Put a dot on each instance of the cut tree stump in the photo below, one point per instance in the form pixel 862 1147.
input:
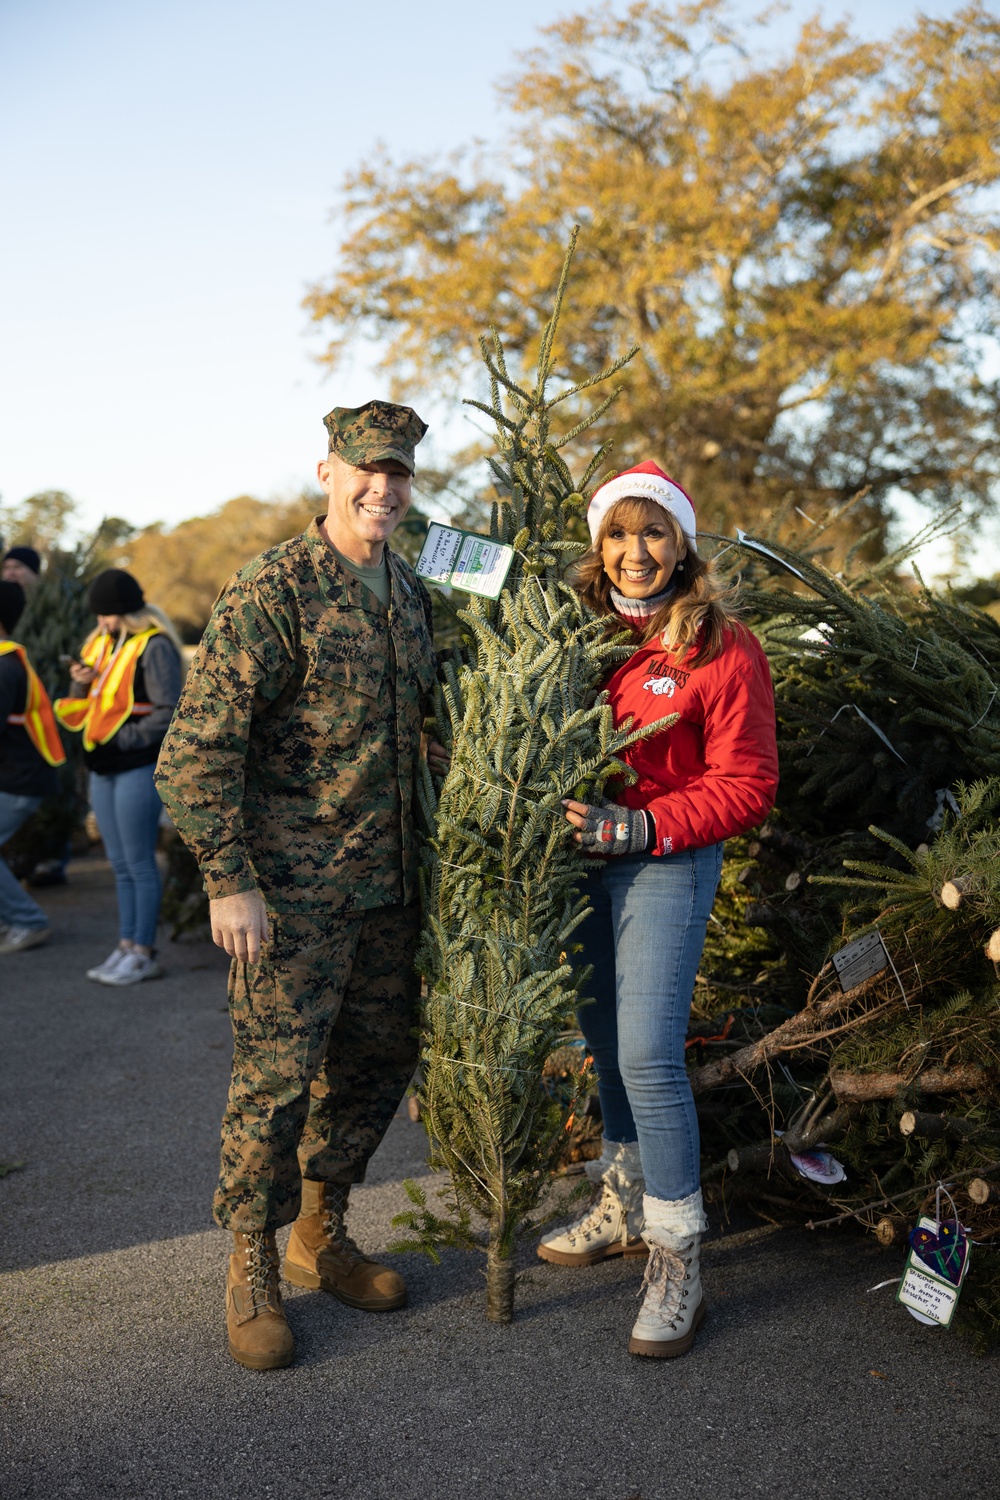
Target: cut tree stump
pixel 752 1158
pixel 953 892
pixel 936 1127
pixel 891 1229
pixel 981 1191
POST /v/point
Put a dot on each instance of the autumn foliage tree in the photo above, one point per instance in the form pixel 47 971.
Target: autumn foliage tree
pixel 182 568
pixel 800 245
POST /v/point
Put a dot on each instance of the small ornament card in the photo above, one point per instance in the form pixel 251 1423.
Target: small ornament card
pixel 464 560
pixel 860 960
pixel 935 1270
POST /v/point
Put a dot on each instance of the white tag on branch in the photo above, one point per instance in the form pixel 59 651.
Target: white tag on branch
pixel 936 1267
pixel 464 560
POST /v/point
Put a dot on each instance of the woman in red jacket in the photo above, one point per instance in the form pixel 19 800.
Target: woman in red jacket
pixel 710 776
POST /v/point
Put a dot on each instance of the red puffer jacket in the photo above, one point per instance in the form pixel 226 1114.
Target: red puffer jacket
pixel 714 774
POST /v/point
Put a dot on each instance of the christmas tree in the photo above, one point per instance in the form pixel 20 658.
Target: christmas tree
pixel 889 729
pixel 526 726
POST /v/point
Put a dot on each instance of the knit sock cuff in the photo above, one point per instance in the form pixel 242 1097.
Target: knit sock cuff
pixel 669 1222
pixel 621 1156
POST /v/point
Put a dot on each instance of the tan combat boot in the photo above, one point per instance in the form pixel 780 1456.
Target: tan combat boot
pixel 322 1255
pixel 259 1335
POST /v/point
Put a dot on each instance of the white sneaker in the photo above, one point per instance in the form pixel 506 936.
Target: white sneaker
pixel 16 939
pixel 673 1305
pixel 133 969
pixel 109 965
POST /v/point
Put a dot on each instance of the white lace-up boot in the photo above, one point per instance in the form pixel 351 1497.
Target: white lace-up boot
pixel 672 1306
pixel 611 1225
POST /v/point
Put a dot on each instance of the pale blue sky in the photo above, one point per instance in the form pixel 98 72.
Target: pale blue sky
pixel 168 171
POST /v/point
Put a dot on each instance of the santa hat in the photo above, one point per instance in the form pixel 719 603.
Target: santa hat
pixel 645 482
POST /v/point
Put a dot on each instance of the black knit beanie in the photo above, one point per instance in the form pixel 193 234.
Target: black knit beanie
pixel 26 555
pixel 114 592
pixel 11 604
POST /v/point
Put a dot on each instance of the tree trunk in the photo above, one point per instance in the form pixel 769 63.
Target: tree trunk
pixel 758 1158
pixel 891 1229
pixel 982 1192
pixel 859 1088
pixel 936 1127
pixel 499 1286
pixel 953 892
pixel 738 1065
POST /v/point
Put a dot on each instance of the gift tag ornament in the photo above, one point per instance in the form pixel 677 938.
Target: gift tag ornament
pixel 944 1252
pixel 464 560
pixel 818 1166
pixel 936 1267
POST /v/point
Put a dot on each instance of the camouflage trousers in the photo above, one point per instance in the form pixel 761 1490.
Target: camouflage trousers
pixel 324 1048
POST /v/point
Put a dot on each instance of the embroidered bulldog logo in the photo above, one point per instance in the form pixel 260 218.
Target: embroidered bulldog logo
pixel 662 686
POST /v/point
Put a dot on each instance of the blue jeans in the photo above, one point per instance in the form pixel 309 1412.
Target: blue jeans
pixel 127 807
pixel 17 908
pixel 644 939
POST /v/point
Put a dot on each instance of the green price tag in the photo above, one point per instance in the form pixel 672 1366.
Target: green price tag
pixel 464 560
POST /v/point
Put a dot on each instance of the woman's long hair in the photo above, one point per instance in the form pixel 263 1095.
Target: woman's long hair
pixel 144 619
pixel 701 612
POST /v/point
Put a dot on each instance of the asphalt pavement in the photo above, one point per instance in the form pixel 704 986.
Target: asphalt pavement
pixel 114 1375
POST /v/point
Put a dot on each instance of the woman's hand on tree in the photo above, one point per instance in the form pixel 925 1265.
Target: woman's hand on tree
pixel 610 828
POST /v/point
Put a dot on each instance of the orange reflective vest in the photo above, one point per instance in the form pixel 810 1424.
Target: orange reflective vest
pixel 111 699
pixel 38 719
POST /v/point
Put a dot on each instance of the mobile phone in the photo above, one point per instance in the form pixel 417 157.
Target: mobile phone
pixel 68 661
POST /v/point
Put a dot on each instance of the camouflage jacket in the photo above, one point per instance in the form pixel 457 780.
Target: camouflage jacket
pixel 291 759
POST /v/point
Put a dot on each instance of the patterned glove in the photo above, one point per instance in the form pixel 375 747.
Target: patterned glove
pixel 617 830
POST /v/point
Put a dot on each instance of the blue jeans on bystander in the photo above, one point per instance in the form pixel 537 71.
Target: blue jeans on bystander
pixel 644 939
pixel 17 908
pixel 127 807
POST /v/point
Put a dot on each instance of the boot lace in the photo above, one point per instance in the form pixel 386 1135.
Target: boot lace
pixel 663 1284
pixel 334 1209
pixel 262 1266
pixel 601 1211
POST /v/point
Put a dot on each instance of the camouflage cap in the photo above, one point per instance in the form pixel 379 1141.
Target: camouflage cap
pixel 374 433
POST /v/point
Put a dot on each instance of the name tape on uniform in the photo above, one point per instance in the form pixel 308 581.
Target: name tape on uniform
pixel 464 560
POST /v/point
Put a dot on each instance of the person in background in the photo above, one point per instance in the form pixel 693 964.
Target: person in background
pixel 30 750
pixel 131 667
pixel 21 565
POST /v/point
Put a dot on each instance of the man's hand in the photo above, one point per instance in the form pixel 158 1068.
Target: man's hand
pixel 239 924
pixel 609 829
pixel 437 757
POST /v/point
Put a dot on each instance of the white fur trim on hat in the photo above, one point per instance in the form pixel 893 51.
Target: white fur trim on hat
pixel 647 482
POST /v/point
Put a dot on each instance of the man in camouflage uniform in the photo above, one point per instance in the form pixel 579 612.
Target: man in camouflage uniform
pixel 289 770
